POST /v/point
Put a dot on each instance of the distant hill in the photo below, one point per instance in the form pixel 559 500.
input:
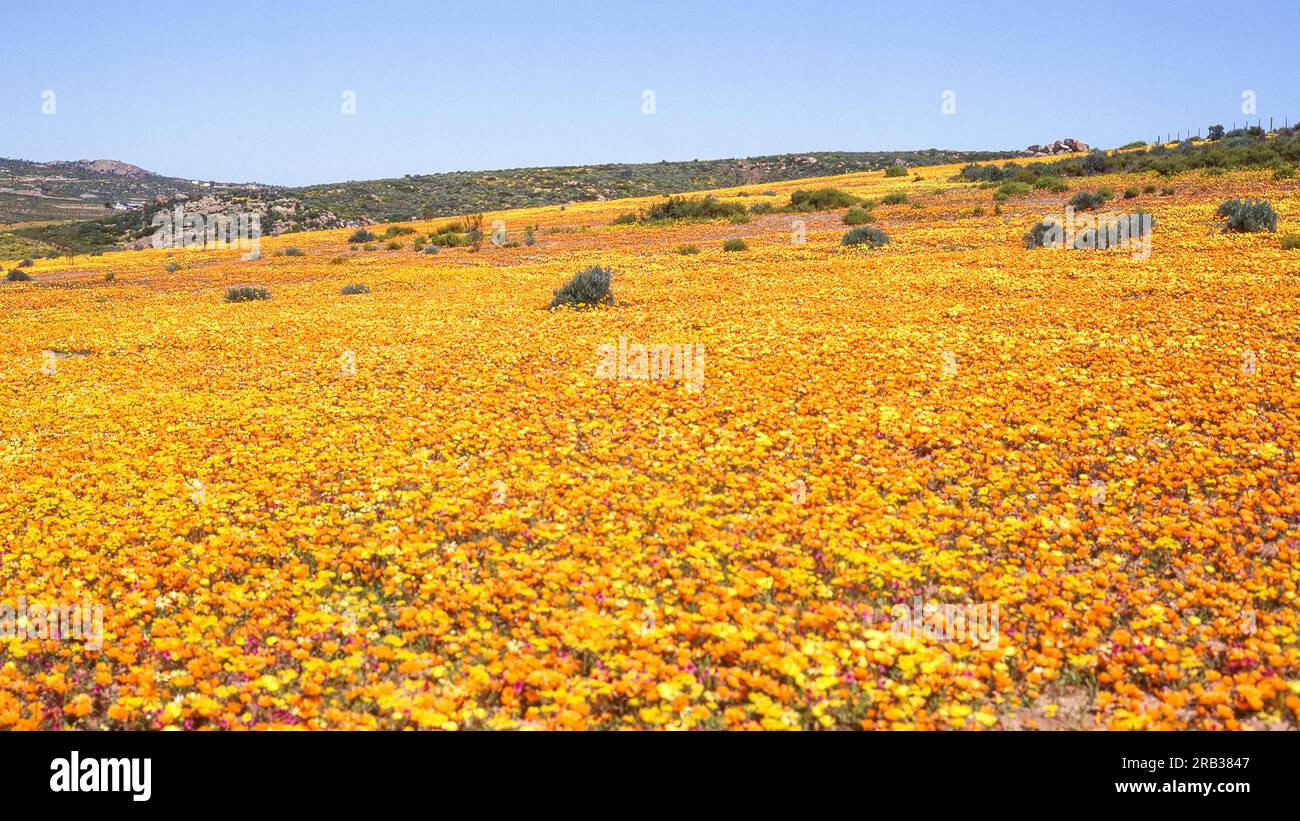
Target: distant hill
pixel 92 205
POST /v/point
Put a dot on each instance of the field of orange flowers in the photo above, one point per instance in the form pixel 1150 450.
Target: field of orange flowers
pixel 419 507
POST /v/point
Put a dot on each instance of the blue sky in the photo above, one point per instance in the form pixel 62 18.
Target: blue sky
pixel 256 92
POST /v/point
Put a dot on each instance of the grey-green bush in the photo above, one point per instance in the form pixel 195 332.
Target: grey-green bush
pixel 1249 215
pixel 867 235
pixel 590 287
pixel 246 294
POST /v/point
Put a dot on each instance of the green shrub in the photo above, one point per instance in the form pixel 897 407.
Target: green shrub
pixel 735 244
pixel 449 228
pixel 369 246
pixel 688 249
pixel 1046 234
pixel 821 199
pixel 172 267
pixel 246 294
pixel 697 210
pixel 589 287
pixel 1012 188
pixel 628 218
pixel 27 263
pixel 293 251
pixel 431 249
pixel 867 235
pixel 18 276
pixel 858 216
pixel 449 239
pixel 355 288
pixel 1167 191
pixel 1248 215
pixel 393 245
pixel 362 235
pixel 1130 193
pixel 896 171
pixel 530 235
pixel 1290 242
pixel 1088 200
pixel 1054 184
pixel 760 208
pixel 1283 171
pixel 1148 189
pixel 894 198
pixel 110 276
pixel 398 231
pixel 339 260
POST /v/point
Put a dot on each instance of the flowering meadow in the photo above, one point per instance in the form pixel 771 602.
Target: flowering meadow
pixel 421 505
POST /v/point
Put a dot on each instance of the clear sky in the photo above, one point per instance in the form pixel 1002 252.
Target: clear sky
pixel 238 91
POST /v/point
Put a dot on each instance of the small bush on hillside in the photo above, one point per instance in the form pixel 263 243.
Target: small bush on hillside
pixel 1249 215
pixel 858 216
pixel 431 249
pixel 686 250
pixel 1148 189
pixel 355 288
pixel 684 208
pixel 1283 171
pixel 339 260
pixel 369 246
pixel 1290 242
pixel 172 267
pixel 449 228
pixel 628 218
pixel 246 294
pixel 1088 200
pixel 1130 193
pixel 398 231
pixel 293 251
pixel 27 263
pixel 1046 234
pixel 1167 191
pixel 1011 189
pixel 1049 183
pixel 867 235
pixel 450 239
pixel 110 276
pixel 735 244
pixel 18 276
pixel 894 198
pixel 589 287
pixel 896 171
pixel 393 245
pixel 821 199
pixel 760 208
pixel 362 235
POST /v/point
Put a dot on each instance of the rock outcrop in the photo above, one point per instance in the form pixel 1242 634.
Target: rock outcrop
pixel 1067 146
